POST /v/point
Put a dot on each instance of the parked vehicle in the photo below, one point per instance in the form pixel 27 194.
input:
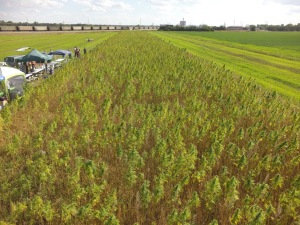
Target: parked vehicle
pixel 12 60
pixel 12 83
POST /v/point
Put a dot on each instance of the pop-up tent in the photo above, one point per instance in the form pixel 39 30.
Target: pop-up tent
pixel 61 52
pixel 35 55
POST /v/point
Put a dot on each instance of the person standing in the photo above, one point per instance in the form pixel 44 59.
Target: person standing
pixel 3 102
pixel 51 69
pixel 78 52
pixel 46 66
pixel 26 67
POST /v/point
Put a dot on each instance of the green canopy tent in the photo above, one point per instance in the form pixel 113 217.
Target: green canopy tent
pixel 35 55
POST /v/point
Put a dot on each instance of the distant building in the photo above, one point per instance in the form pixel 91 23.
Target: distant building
pixel 237 28
pixel 182 23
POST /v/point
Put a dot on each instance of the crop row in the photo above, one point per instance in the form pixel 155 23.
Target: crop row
pixel 142 132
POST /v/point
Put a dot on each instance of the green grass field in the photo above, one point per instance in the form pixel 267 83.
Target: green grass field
pixel 282 40
pixel 271 58
pixel 10 42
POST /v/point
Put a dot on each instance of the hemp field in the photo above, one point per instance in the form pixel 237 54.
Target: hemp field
pixel 271 58
pixel 139 131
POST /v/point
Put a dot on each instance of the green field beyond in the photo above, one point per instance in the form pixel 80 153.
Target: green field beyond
pixel 10 42
pixel 271 58
pixel 139 131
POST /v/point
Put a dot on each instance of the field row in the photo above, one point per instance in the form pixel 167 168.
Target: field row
pixel 271 42
pixel 274 68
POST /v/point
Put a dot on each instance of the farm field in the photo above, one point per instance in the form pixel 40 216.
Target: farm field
pixel 140 131
pixel 10 42
pixel 271 58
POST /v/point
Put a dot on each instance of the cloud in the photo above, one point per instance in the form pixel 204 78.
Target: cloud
pixel 103 5
pixel 288 2
pixel 287 8
pixel 191 2
pixel 295 11
pixel 212 12
pixel 35 4
pixel 163 5
pixel 3 14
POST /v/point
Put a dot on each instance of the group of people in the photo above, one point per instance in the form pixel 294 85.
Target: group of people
pixel 77 52
pixel 27 67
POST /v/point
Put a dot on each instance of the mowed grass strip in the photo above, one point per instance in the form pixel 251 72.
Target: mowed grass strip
pixel 10 42
pixel 280 44
pixel 274 71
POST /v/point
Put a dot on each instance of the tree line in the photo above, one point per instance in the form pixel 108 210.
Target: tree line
pixel 167 27
pixel 282 27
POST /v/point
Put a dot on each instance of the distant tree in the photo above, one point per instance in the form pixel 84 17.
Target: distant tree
pixel 252 28
pixel 186 28
pixel 218 28
pixel 166 27
pixel 290 27
pixel 222 28
pixel 281 27
pixel 204 27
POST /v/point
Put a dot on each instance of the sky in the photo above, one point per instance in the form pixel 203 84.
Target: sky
pixel 152 12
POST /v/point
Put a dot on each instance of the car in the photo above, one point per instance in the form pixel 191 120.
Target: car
pixel 12 60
